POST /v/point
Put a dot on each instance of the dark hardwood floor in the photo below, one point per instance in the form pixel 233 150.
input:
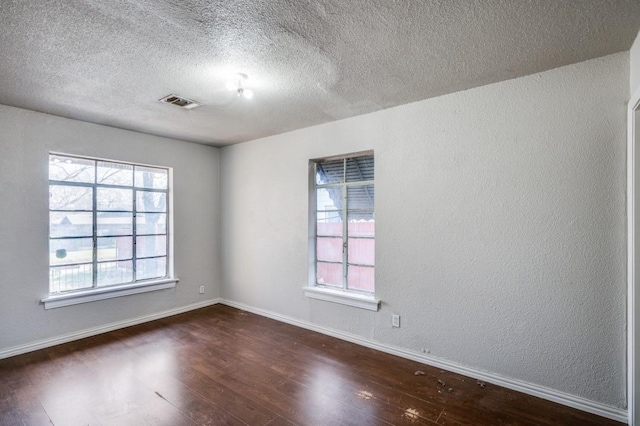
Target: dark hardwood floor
pixel 222 366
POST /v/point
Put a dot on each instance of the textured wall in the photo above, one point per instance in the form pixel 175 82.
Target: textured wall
pixel 634 59
pixel 500 226
pixel 25 141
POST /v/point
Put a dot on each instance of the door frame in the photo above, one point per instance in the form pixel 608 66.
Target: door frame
pixel 633 259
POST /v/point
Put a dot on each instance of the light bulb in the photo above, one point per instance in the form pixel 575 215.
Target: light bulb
pixel 231 86
pixel 247 93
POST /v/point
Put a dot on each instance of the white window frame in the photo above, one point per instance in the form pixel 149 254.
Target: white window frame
pixel 89 294
pixel 344 295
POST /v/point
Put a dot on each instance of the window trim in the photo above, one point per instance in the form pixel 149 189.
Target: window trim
pixel 313 290
pixel 344 297
pixel 73 297
pixel 101 293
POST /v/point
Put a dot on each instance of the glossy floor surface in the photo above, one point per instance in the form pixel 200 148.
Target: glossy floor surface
pixel 222 366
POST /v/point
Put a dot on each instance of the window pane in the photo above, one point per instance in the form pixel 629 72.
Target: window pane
pixel 70 169
pixel 118 248
pixel 74 250
pixel 328 199
pixel 362 251
pixel 65 278
pixel 333 178
pixel 329 224
pixel 115 223
pixel 329 249
pixel 151 223
pixel 70 224
pixel 360 197
pixel 151 268
pixel 362 226
pixel 115 272
pixel 330 172
pixel 154 245
pixel 115 199
pixel 329 274
pixel 92 207
pixel 360 168
pixel 66 197
pixel 151 201
pixel 115 173
pixel 150 177
pixel 361 278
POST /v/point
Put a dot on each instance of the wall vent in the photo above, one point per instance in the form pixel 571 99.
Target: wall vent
pixel 180 102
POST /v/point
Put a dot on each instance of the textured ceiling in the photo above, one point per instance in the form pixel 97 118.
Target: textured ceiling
pixel 308 62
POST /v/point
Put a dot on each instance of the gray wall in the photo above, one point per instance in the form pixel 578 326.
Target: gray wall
pixel 634 59
pixel 25 140
pixel 500 226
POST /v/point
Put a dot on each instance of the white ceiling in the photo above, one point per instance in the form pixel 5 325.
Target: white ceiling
pixel 309 62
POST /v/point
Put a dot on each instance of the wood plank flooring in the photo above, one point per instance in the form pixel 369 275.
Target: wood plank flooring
pixel 223 366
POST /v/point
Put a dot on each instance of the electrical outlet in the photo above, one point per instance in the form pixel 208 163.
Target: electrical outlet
pixel 395 320
pixel 201 289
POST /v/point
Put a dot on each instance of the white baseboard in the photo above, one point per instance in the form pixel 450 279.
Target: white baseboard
pixel 569 400
pixel 46 343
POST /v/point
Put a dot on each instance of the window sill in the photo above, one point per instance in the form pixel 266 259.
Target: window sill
pixel 67 299
pixel 338 296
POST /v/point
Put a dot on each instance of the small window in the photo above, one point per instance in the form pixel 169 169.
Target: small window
pixel 344 223
pixel 108 223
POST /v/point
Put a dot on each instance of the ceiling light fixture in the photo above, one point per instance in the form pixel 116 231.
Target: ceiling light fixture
pixel 238 86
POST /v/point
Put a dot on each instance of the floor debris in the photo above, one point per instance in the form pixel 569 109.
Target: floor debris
pixel 411 413
pixel 365 395
pixel 442 386
pixel 157 393
pixel 419 373
pixel 481 383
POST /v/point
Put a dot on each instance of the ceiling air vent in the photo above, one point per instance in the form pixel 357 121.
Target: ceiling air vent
pixel 180 102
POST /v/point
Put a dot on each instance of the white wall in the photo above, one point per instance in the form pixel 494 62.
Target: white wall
pixel 634 60
pixel 500 226
pixel 25 140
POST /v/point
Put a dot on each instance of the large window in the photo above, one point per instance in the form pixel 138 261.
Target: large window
pixel 345 224
pixel 107 223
